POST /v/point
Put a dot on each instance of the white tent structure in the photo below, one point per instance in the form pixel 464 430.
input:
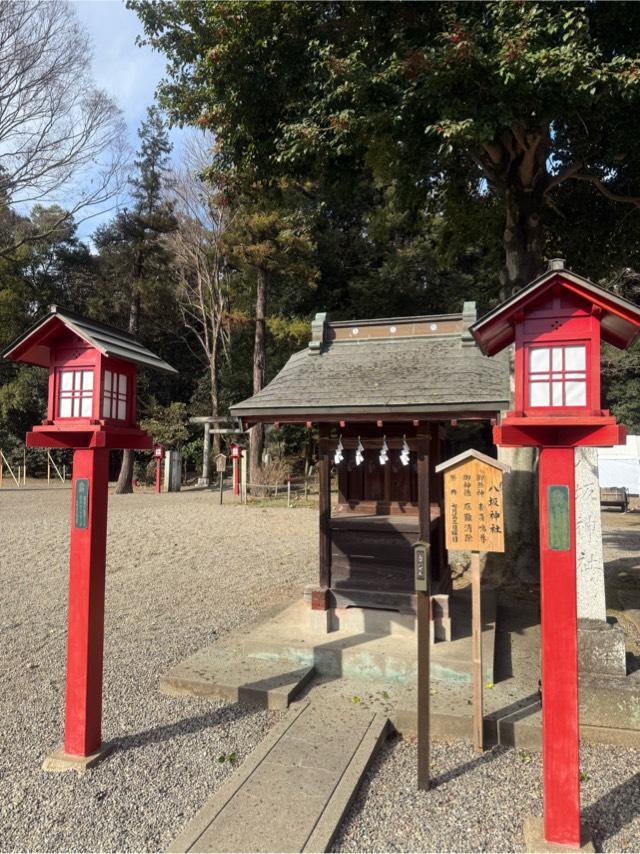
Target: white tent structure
pixel 620 465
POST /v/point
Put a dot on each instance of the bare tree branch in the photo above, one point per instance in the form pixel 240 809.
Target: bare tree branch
pixel 203 275
pixel 606 192
pixel 61 138
pixel 574 173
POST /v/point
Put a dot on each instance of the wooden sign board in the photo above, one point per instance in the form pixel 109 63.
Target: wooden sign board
pixel 474 513
pixel 221 463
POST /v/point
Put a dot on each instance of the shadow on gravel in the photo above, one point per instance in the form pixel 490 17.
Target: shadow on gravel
pixel 482 759
pixel 610 813
pixel 187 726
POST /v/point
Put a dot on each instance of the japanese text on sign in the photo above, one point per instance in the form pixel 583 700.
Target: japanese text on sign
pixel 473 507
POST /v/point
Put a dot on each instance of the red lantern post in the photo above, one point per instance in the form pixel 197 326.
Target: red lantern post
pixel 158 453
pixel 236 453
pixel 92 410
pixel 557 323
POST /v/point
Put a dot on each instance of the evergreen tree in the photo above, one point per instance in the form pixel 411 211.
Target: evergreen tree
pixel 490 116
pixel 134 256
pixel 270 243
pixel 51 266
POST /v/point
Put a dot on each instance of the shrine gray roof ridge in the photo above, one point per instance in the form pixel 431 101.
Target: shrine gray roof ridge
pixel 109 340
pixel 376 320
pixel 401 365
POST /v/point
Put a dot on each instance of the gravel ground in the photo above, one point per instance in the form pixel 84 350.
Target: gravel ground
pixel 621 540
pixel 181 572
pixel 479 803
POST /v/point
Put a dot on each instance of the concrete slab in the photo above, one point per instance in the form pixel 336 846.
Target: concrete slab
pixel 363 644
pixel 356 668
pixel 59 761
pixel 221 672
pixel 312 762
pixel 511 704
pixel 535 842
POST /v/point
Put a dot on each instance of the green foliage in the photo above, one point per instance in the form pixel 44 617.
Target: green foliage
pixel 135 263
pixel 167 424
pixel 479 113
pixel 372 159
pixel 136 286
pixel 621 385
pixel 443 149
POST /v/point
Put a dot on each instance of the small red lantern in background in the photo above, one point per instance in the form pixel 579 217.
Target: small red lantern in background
pixel 557 323
pixel 91 408
pixel 236 454
pixel 158 453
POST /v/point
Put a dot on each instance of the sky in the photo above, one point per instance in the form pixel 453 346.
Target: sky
pixel 127 72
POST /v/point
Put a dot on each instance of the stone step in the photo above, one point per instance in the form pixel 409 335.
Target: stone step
pixel 220 672
pixel 293 791
pixel 269 662
pixel 387 657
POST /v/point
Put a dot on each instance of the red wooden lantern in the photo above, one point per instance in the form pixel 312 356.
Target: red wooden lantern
pixel 557 324
pixel 91 408
pixel 158 454
pixel 92 381
pixel 236 454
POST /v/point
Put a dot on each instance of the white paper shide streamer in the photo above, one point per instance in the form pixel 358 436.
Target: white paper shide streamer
pixel 384 452
pixel 405 453
pixel 359 452
pixel 338 455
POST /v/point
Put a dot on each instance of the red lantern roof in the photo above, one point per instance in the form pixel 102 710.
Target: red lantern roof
pixel 619 318
pixel 34 345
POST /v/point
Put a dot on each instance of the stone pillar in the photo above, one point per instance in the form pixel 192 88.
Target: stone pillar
pixel 601 645
pixel 591 599
pixel 206 454
pixel 172 471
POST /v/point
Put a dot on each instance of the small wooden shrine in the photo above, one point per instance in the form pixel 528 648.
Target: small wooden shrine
pixel 379 392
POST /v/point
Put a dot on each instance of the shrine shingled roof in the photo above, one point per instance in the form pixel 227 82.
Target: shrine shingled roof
pixel 390 366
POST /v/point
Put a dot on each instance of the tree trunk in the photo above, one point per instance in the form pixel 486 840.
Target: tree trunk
pixel 215 405
pixel 259 359
pixel 124 485
pixel 523 246
pixel 522 239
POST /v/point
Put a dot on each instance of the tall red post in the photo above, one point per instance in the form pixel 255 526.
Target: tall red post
pixel 236 478
pixel 158 474
pixel 560 730
pixel 85 636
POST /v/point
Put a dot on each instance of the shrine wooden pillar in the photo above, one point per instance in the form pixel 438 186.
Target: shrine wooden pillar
pixel 319 602
pixel 439 559
pixel 423 609
pixel 424 513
